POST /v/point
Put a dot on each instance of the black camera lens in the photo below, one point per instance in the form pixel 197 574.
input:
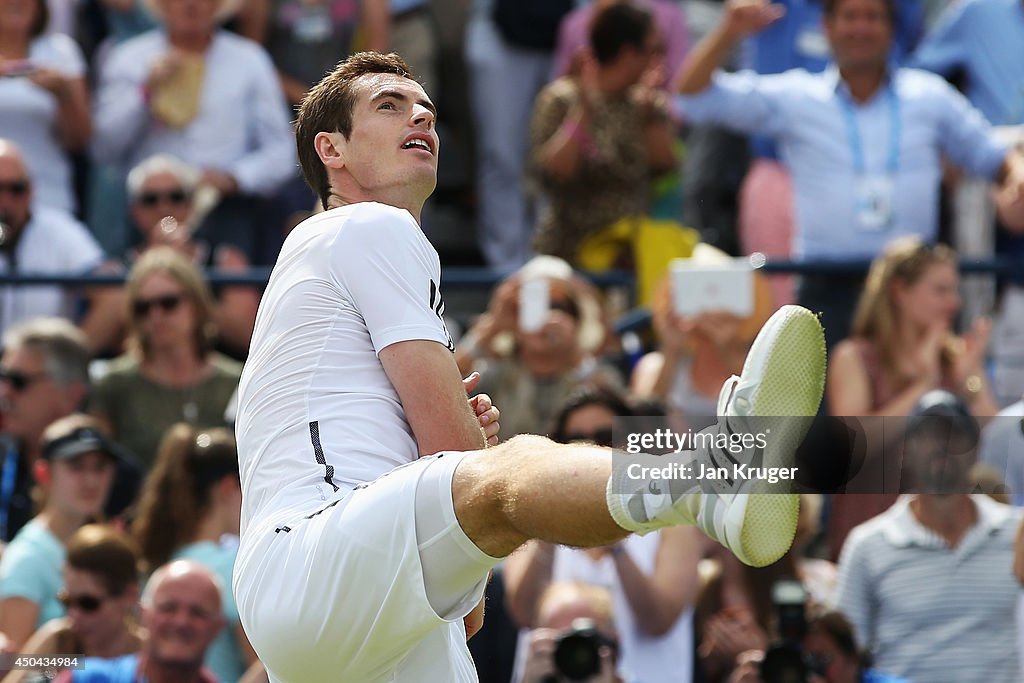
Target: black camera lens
pixel 578 652
pixel 784 664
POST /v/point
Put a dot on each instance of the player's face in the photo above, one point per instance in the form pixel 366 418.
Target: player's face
pixel 183 620
pixel 860 33
pixel 15 191
pixel 393 146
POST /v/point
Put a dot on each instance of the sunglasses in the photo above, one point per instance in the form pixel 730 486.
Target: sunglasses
pixel 171 197
pixel 86 603
pixel 17 188
pixel 165 303
pixel 601 437
pixel 18 380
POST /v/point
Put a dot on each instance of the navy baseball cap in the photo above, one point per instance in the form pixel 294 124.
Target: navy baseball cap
pixel 78 441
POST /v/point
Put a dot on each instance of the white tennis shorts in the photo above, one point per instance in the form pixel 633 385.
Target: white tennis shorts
pixel 337 594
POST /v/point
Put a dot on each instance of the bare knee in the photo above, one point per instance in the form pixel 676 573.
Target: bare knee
pixel 484 492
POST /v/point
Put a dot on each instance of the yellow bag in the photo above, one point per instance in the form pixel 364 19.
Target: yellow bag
pixel 652 244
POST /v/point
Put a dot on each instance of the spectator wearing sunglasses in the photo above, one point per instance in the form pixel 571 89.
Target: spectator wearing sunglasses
pixel 47 241
pixel 44 376
pixel 652 578
pixel 100 595
pixel 181 614
pixel 167 204
pixel 191 500
pixel 171 373
pixel 536 343
pixel 74 476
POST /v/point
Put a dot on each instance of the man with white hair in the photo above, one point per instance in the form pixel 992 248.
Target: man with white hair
pixel 210 97
pixel 167 205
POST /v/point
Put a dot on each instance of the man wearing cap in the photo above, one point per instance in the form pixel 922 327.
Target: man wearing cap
pixel 44 376
pixel 75 471
pixel 928 583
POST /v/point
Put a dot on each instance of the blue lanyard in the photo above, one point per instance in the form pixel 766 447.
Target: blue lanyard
pixel 10 478
pixel 853 132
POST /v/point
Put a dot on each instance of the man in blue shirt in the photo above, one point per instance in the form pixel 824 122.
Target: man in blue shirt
pixel 864 142
pixel 981 39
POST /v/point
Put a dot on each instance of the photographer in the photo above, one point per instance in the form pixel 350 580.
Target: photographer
pixel 575 637
pixel 830 654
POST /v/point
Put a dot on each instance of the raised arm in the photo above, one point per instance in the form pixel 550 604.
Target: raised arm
pixel 740 19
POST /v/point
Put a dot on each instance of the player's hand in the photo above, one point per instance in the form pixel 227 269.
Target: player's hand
pixel 487 414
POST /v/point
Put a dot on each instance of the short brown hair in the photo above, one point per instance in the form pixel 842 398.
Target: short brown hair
pixel 328 107
pixel 110 555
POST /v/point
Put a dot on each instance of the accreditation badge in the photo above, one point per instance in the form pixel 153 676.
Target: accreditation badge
pixel 875 202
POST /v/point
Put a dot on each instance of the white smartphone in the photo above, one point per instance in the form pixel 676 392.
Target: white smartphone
pixel 534 304
pixel 700 287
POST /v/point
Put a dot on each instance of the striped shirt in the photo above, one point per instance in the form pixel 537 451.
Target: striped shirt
pixel 928 612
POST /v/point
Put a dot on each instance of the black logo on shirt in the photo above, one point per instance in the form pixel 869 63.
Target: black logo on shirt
pixel 437 305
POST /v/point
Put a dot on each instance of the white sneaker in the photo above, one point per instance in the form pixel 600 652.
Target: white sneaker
pixel 784 377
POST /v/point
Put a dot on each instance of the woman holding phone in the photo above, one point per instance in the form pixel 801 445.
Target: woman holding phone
pixel 44 102
pixel 536 343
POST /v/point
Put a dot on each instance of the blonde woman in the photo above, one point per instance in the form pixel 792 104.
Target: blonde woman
pixel 904 345
pixel 170 373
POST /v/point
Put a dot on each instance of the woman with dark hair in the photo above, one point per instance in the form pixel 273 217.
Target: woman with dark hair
pixel 191 500
pixel 100 594
pixel 903 345
pixel 171 373
pixel 44 102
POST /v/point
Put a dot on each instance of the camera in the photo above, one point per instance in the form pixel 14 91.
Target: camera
pixel 578 651
pixel 785 660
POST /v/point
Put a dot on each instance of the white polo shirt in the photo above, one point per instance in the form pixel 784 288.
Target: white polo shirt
pixel 928 612
pixel 316 411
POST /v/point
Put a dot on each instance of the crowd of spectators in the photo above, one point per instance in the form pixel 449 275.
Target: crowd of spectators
pixel 150 141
